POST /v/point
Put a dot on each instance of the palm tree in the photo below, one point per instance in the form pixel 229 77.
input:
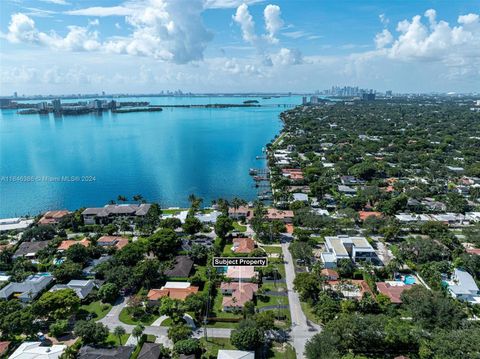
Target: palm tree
pixel 138 198
pixel 138 331
pixel 122 198
pixel 118 332
pixel 195 201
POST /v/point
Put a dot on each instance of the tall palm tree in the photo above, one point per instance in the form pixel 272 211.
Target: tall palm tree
pixel 122 198
pixel 118 332
pixel 138 198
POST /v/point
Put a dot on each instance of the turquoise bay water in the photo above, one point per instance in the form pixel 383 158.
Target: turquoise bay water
pixel 164 156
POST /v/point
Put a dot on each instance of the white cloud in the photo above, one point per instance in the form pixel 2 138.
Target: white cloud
pixel 102 11
pixel 22 29
pixel 287 57
pixel 247 25
pixel 169 30
pixel 468 19
pixel 295 34
pixel 437 41
pixel 273 22
pixel 94 22
pixel 228 4
pixel 56 2
pixel 384 19
pixel 383 39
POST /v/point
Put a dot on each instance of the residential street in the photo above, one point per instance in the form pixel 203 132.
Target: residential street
pixel 111 320
pixel 302 330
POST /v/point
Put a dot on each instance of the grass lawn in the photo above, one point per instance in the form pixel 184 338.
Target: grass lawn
pixel 113 339
pixel 127 318
pixel 213 345
pixel 173 211
pixel 98 309
pixel 307 309
pixel 217 308
pixel 231 325
pixel 239 227
pixel 281 351
pixel 273 300
pixel 272 249
pixel 271 287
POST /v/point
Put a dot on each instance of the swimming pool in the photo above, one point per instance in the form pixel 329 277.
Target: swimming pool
pixel 409 279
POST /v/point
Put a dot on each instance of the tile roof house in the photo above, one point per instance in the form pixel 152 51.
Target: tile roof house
pixel 235 354
pixel 120 352
pixel 352 288
pixel 363 215
pixel 240 212
pixel 237 294
pixel 462 286
pixel 30 249
pixel 284 215
pixel 110 211
pixel 330 274
pixel 246 274
pixel 243 245
pixel 182 267
pixel 82 288
pixel 110 241
pixel 29 289
pixel 4 347
pixel 53 217
pixel 65 245
pixel 393 290
pixel 173 290
pixel 35 350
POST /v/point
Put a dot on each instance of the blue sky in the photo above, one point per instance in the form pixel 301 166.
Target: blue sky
pixel 73 46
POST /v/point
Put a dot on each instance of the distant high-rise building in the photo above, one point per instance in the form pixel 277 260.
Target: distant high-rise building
pixel 42 106
pixel 103 93
pixel 15 94
pixel 96 104
pixel 388 93
pixel 304 100
pixel 368 96
pixel 314 100
pixel 57 105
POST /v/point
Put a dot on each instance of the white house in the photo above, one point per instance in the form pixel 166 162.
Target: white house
pixel 29 350
pixel 462 286
pixel 235 354
pixel 345 247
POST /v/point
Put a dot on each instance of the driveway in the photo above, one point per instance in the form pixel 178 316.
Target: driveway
pixel 302 329
pixel 111 320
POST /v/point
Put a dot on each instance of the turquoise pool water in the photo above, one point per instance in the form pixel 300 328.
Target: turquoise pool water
pixel 409 279
pixel 165 156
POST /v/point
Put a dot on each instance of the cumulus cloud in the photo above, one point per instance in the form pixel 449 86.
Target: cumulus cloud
pixel 243 18
pixel 436 41
pixel 102 11
pixel 169 30
pixel 22 29
pixel 273 22
pixel 263 43
pixel 383 38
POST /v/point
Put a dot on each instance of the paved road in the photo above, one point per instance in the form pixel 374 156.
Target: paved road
pixel 302 330
pixel 111 320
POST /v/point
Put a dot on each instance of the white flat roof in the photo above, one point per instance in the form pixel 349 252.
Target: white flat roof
pixel 177 285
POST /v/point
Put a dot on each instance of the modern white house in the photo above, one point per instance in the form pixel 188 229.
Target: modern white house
pixel 235 354
pixel 27 290
pixel 345 247
pixel 462 286
pixel 29 350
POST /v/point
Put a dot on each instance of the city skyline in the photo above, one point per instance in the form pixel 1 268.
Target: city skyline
pixel 227 46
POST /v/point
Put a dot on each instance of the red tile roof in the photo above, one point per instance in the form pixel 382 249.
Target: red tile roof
pixel 118 241
pixel 52 217
pixel 4 347
pixel 363 215
pixel 173 293
pixel 68 243
pixel 243 245
pixel 392 291
pixel 241 293
pixel 330 274
pixel 273 213
pixel 475 251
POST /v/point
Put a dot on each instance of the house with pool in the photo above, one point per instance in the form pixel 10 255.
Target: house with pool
pixel 357 249
pixel 462 286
